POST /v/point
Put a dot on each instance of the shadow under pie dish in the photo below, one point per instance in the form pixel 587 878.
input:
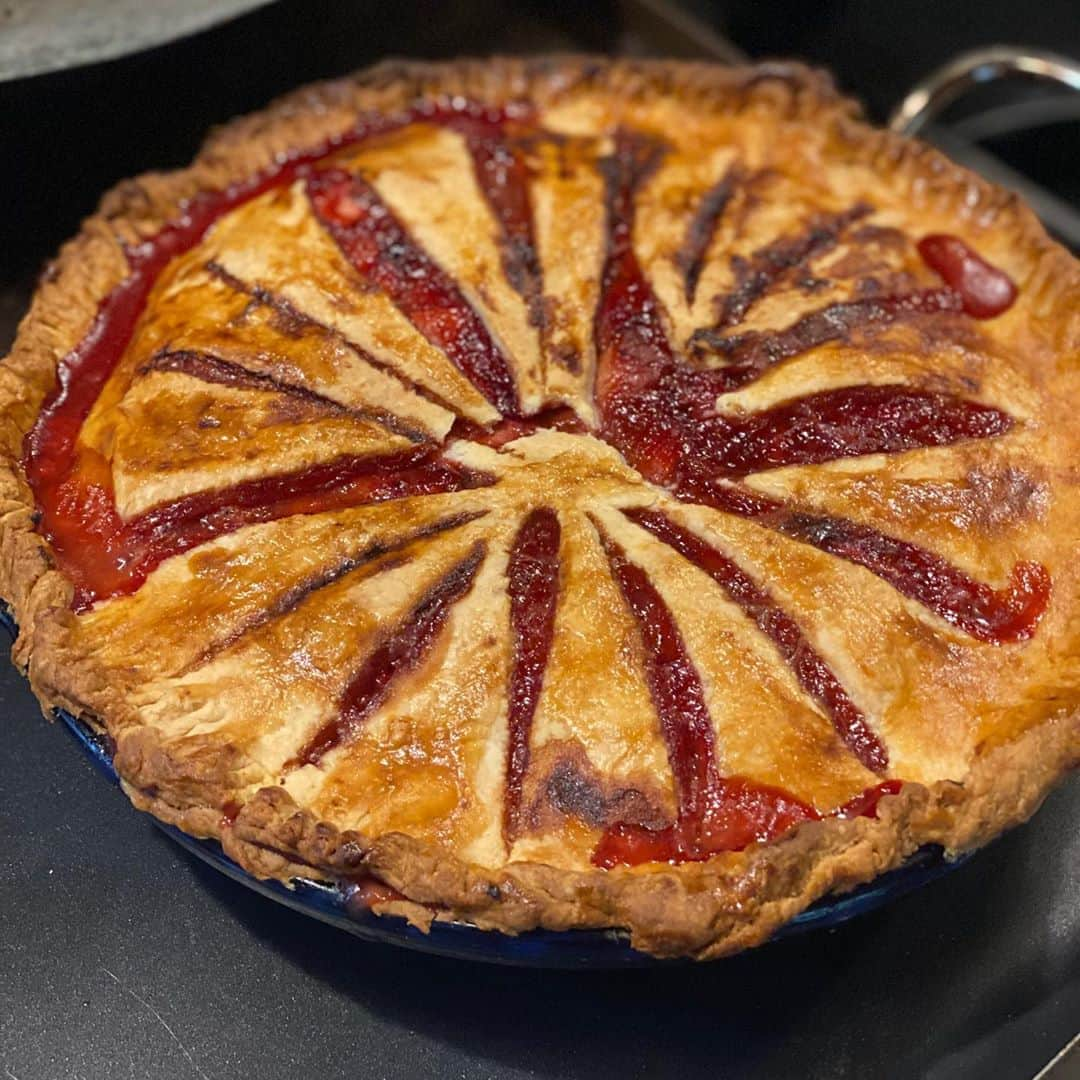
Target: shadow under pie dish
pixel 558 493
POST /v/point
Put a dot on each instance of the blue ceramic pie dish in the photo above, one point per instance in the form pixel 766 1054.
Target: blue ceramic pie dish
pixel 537 948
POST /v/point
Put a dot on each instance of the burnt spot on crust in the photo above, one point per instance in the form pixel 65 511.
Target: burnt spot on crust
pixel 565 784
pixel 289 410
pixel 984 501
pixel 212 369
pixel 752 352
pixel 284 317
pixel 522 269
pixel 575 793
pixel 987 501
pixel 766 267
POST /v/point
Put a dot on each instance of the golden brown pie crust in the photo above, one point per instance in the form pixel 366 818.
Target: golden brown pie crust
pixel 704 909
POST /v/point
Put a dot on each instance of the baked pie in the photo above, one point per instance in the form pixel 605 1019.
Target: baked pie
pixel 559 493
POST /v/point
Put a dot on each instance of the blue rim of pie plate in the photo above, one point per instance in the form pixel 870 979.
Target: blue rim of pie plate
pixel 567 949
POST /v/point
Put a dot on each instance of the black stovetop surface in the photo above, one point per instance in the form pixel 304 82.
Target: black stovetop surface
pixel 122 956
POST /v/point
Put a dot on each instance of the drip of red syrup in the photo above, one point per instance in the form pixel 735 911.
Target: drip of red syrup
pixel 532 576
pixel 985 290
pixel 368 891
pixel 364 893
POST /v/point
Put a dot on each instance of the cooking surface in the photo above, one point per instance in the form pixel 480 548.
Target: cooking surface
pixel 123 956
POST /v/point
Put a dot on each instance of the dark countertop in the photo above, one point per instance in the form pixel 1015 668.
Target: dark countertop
pixel 122 956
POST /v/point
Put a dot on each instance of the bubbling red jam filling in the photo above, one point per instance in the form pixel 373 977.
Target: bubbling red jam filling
pixel 380 249
pixel 532 576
